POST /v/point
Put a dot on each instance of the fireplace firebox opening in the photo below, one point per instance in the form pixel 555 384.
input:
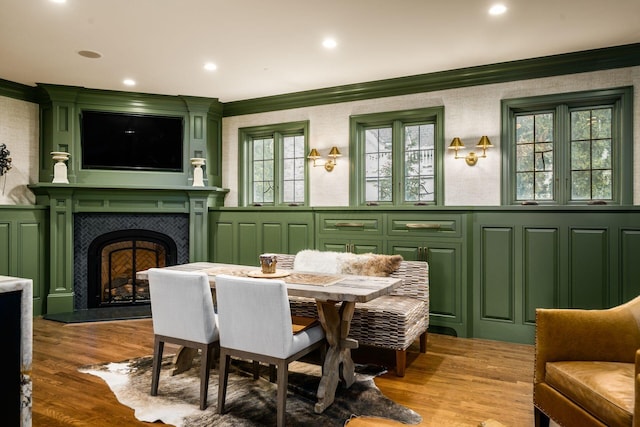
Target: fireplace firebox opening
pixel 115 257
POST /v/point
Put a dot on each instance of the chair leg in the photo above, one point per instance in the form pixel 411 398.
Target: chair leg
pixel 283 379
pixel 158 348
pixel 205 363
pixel 423 342
pixel 272 373
pixel 256 369
pixel 401 362
pixel 223 379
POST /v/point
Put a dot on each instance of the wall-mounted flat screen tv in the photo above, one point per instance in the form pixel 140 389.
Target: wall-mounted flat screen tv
pixel 125 141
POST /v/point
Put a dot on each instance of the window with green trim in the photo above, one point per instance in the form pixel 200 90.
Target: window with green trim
pixel 273 164
pixel 571 148
pixel 396 157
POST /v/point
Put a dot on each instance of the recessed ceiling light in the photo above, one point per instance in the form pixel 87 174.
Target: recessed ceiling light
pixel 329 43
pixel 497 9
pixel 58 1
pixel 129 82
pixel 92 54
pixel 210 66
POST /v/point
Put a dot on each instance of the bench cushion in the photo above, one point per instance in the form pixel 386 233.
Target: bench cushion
pixel 605 388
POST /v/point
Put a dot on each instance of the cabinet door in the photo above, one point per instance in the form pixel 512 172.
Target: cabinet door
pixel 338 244
pixel 446 293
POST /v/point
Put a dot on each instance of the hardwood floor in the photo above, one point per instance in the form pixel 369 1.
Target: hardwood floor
pixel 459 382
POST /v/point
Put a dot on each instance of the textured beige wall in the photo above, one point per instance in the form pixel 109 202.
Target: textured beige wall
pixel 469 113
pixel 19 132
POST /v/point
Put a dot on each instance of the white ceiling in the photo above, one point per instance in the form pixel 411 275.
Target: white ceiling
pixel 270 47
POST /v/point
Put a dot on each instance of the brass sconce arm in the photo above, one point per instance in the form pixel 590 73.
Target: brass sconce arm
pixel 328 164
pixel 471 158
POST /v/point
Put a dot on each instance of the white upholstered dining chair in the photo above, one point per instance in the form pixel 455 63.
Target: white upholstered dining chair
pixel 255 323
pixel 182 312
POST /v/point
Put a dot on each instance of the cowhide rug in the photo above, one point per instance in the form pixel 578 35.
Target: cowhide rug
pixel 249 402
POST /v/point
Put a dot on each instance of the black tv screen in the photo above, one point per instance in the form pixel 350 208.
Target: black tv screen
pixel 131 141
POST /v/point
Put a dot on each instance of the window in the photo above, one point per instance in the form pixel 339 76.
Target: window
pixel 395 157
pixel 273 164
pixel 568 149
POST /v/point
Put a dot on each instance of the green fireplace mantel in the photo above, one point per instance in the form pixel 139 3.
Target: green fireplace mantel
pixel 66 199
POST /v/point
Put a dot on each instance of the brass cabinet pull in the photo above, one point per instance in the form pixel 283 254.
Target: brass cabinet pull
pixel 349 224
pixel 422 225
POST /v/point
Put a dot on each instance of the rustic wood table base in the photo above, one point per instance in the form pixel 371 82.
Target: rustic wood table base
pixel 338 364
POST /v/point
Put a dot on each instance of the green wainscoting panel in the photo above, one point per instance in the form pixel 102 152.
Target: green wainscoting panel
pixel 497 276
pixel 272 239
pixel 589 272
pixel 5 248
pixel 23 248
pixel 30 257
pixel 630 263
pixel 222 245
pixel 541 270
pixel 254 231
pixel 247 243
pixel 300 237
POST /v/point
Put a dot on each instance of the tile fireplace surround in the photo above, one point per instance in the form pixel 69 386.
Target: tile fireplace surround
pixel 67 200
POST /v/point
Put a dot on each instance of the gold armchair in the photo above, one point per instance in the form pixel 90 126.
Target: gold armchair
pixel 587 366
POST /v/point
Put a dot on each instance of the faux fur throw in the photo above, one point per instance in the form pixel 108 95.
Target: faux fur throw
pixel 346 263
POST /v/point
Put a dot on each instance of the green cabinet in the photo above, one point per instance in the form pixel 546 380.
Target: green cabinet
pixel 358 232
pixel 447 295
pixel 239 237
pixel 439 240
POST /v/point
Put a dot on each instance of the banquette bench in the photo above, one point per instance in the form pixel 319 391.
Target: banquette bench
pixel 392 321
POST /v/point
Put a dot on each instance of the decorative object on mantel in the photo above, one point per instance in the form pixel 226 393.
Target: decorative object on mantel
pixel 198 174
pixel 60 167
pixel 5 163
pixel 471 158
pixel 329 164
pixel 253 399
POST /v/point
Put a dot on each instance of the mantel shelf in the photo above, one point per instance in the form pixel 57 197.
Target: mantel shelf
pixel 46 186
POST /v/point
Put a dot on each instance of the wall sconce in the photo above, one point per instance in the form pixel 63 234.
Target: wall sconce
pixel 329 164
pixel 471 158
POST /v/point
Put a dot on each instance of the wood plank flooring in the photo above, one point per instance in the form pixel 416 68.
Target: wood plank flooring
pixel 459 382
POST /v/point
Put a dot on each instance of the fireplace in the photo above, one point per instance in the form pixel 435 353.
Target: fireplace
pixel 114 259
pixel 110 248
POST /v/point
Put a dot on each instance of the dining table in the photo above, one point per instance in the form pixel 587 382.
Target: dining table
pixel 335 296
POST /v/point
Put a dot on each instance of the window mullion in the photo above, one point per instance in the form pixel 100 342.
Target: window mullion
pixel 277 168
pixel 397 155
pixel 562 165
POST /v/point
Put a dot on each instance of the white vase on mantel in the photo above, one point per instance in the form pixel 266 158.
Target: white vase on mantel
pixel 198 174
pixel 60 167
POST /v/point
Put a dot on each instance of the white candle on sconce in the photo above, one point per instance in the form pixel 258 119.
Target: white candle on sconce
pixel 198 174
pixel 60 167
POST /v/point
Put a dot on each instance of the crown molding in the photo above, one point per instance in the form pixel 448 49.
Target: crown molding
pixel 569 63
pixel 18 91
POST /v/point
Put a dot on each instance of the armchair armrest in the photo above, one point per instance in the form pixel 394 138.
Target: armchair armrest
pixel 571 334
pixel 636 386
